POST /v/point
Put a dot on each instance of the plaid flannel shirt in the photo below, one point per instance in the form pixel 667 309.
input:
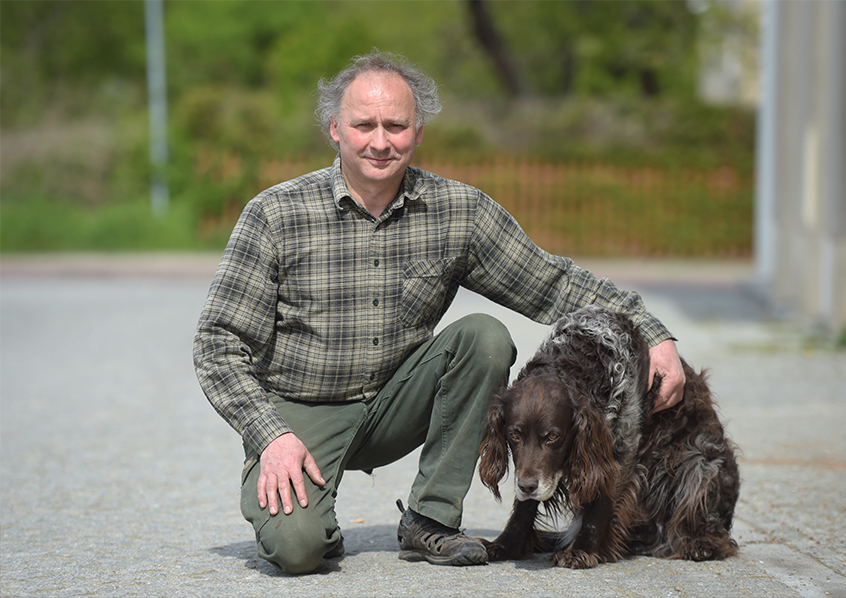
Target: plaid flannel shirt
pixel 316 300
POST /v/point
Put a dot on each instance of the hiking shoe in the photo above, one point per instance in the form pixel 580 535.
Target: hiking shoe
pixel 421 538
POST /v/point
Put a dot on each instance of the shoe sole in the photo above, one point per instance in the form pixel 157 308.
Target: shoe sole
pixel 456 560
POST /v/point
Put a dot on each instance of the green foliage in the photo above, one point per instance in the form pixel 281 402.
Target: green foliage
pixel 70 59
pixel 595 49
pixel 233 118
pixel 604 81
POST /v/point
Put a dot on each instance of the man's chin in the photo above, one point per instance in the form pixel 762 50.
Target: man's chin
pixel 385 171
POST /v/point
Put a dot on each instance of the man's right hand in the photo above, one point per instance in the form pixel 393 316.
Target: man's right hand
pixel 282 464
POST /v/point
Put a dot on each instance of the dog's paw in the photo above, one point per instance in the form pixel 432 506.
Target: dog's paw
pixel 709 548
pixel 496 551
pixel 574 559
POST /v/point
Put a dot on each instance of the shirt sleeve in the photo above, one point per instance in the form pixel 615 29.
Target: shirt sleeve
pixel 508 268
pixel 236 326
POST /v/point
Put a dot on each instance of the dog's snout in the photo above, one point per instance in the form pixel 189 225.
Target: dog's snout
pixel 527 485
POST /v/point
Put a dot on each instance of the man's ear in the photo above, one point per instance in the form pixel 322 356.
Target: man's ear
pixel 333 130
pixel 419 136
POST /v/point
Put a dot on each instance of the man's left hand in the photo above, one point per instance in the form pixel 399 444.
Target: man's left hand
pixel 664 362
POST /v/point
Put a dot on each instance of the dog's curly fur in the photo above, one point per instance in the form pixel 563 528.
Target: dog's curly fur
pixel 578 423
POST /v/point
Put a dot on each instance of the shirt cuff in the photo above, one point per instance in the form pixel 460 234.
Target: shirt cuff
pixel 654 332
pixel 263 430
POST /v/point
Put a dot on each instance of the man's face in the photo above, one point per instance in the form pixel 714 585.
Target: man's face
pixel 376 130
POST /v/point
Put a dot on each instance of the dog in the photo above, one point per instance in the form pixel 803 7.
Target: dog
pixel 579 426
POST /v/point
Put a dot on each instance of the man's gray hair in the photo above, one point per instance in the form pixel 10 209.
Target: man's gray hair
pixel 330 93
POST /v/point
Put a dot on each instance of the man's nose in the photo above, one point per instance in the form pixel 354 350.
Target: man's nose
pixel 379 139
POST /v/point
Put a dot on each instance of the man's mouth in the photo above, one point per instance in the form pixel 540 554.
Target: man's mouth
pixel 379 161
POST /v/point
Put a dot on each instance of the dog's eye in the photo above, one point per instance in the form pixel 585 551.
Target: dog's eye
pixel 552 437
pixel 514 436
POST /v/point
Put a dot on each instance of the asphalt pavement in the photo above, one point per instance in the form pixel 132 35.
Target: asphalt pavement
pixel 118 479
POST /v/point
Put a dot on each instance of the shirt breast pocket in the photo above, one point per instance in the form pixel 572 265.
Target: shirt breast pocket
pixel 424 289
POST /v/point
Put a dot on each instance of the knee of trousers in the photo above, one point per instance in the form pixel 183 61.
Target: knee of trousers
pixel 296 547
pixel 489 342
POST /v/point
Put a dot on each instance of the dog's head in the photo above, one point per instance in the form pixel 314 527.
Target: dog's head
pixel 554 420
pixel 533 420
pixel 557 442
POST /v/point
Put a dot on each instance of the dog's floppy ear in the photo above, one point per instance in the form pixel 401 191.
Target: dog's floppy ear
pixel 591 469
pixel 494 452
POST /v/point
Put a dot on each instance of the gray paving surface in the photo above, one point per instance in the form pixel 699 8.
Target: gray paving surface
pixel 118 479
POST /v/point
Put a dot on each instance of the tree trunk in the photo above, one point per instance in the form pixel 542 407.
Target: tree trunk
pixel 494 46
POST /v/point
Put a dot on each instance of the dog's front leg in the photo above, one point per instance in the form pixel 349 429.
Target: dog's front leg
pixel 518 538
pixel 587 550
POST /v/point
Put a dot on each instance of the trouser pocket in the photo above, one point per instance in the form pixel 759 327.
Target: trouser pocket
pixel 250 462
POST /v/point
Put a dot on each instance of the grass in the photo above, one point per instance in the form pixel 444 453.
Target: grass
pixel 44 225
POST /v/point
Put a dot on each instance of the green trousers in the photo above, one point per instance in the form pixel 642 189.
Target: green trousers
pixel 438 398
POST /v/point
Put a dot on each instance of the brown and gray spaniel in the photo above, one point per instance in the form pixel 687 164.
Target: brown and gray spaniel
pixel 579 426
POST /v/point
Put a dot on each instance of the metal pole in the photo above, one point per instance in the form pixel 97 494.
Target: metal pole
pixel 157 101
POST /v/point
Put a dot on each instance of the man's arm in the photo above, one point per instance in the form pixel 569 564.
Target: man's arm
pixel 237 322
pixel 509 268
pixel 239 315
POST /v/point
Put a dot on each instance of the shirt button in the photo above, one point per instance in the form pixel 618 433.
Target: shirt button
pixel 372 377
pixel 375 303
pixel 376 263
pixel 375 341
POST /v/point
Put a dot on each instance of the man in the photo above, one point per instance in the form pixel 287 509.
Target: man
pixel 316 341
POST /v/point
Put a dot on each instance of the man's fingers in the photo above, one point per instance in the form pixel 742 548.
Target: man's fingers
pixel 299 490
pixel 271 490
pixel 670 393
pixel 284 490
pixel 661 403
pixel 260 489
pixel 267 493
pixel 313 471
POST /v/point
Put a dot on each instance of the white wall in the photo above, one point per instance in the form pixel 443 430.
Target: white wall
pixel 800 224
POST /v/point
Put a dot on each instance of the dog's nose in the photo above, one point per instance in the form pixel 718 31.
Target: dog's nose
pixel 527 486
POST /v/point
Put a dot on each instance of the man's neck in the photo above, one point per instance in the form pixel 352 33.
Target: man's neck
pixel 375 197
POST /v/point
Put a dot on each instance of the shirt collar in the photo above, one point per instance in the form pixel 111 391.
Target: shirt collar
pixel 411 188
pixel 340 191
